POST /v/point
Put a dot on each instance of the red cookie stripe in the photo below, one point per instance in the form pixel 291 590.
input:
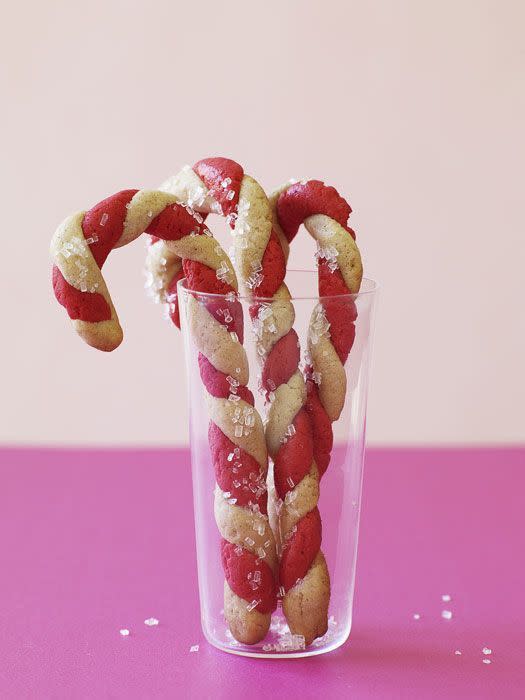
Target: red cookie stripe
pixel 222 177
pixel 323 436
pixel 240 567
pixel 340 312
pixel 302 200
pixel 227 313
pixel 104 223
pixel 282 361
pixel 175 222
pixel 81 306
pixel 237 472
pixel 294 459
pixel 217 384
pixel 300 550
pixel 273 269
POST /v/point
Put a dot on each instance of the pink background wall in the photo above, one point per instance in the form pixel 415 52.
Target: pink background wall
pixel 414 110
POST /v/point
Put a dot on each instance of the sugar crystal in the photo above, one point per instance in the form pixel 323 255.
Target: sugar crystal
pixel 151 622
pixel 223 273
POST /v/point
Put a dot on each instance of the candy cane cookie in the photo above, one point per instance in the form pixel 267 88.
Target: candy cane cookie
pixel 236 435
pixel 260 252
pixel 330 338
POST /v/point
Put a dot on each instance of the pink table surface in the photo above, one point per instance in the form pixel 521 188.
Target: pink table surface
pixel 95 541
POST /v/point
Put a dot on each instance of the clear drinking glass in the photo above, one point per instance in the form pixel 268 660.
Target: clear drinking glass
pixel 340 486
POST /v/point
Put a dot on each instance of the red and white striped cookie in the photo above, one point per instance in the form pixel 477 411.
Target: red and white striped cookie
pixel 236 435
pixel 299 435
pixel 330 338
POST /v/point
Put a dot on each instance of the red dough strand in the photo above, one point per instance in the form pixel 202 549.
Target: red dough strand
pixel 240 567
pixel 304 199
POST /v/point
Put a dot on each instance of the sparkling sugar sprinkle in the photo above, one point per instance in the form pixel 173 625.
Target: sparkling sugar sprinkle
pixel 319 325
pixel 446 598
pixel 223 273
pixel 151 622
pixel 194 648
pixel 416 616
pixel 124 633
pixel 487 651
pixel 487 661
pixel 446 614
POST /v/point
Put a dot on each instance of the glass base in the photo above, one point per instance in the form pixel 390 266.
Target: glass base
pixel 280 644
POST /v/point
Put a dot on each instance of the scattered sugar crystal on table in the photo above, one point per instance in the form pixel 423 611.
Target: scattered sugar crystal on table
pixel 124 632
pixel 446 598
pixel 458 652
pixel 486 651
pixel 446 614
pixel 193 648
pixel 487 661
pixel 151 622
pixel 416 616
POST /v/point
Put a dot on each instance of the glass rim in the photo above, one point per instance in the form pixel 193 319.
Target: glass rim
pixel 374 287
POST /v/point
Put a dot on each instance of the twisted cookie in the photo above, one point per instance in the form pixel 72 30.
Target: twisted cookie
pixel 299 433
pixel 260 252
pixel 236 436
pixel 330 338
